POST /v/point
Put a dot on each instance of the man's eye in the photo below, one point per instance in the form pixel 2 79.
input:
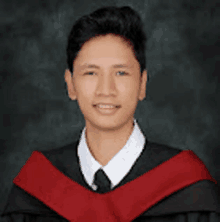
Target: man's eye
pixel 123 72
pixel 88 73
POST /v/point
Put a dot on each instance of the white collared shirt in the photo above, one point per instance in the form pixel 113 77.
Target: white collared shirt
pixel 117 168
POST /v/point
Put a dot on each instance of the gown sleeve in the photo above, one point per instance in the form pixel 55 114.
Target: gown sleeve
pixel 182 217
pixel 27 217
pixel 22 207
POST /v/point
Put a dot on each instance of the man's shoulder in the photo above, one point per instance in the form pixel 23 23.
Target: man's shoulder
pixel 159 153
pixel 64 158
pixel 159 147
pixel 64 150
pixel 200 196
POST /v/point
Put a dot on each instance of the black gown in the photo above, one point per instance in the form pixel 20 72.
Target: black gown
pixel 198 202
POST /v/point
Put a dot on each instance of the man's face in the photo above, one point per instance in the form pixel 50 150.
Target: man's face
pixel 104 83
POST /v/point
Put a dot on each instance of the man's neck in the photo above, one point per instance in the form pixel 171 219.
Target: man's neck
pixel 105 145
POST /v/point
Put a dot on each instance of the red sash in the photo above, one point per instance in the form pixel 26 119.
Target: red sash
pixel 44 181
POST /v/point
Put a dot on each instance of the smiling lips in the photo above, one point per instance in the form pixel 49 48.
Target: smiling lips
pixel 106 110
pixel 106 105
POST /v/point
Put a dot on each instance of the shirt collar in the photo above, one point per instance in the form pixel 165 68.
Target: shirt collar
pixel 120 163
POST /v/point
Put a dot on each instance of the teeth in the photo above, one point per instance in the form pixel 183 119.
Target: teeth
pixel 105 106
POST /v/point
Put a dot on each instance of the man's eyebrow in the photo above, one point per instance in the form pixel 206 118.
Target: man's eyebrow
pixel 97 67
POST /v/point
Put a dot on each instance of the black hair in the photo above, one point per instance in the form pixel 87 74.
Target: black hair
pixel 119 21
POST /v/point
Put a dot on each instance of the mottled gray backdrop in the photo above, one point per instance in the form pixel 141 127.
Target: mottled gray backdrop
pixel 182 105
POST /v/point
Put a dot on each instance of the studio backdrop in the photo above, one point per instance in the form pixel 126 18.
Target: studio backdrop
pixel 182 106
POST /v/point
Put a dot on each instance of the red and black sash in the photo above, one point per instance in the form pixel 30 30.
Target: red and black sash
pixel 74 202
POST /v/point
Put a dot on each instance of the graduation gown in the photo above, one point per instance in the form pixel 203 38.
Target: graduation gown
pixel 193 202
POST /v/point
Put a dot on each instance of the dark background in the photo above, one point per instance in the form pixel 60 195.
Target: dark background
pixel 182 105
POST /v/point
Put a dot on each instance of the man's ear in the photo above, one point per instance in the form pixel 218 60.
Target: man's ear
pixel 70 86
pixel 142 93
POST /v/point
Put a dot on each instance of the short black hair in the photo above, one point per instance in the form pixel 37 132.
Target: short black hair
pixel 119 21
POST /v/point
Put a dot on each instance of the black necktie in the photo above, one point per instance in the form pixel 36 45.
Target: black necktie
pixel 102 182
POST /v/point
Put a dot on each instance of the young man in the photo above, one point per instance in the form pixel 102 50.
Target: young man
pixel 112 173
